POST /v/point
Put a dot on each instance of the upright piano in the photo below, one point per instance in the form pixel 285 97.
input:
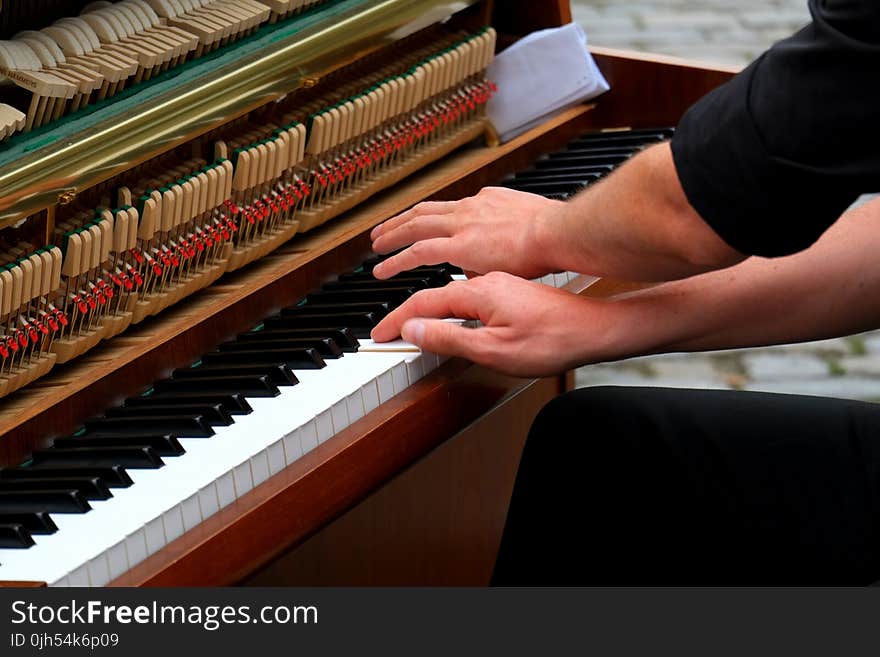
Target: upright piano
pixel 187 188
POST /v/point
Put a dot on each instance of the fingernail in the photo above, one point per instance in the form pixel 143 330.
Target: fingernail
pixel 413 331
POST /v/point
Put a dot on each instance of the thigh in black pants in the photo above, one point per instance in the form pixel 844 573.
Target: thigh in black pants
pixel 661 486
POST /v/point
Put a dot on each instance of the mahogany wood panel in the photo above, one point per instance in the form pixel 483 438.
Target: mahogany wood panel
pixel 650 90
pixel 438 523
pixel 22 585
pixel 291 505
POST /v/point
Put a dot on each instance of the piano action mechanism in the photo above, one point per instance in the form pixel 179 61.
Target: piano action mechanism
pixel 174 172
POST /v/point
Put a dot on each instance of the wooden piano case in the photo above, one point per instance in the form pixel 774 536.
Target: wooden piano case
pixel 416 492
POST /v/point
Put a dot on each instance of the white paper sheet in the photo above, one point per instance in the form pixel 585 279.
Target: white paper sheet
pixel 540 75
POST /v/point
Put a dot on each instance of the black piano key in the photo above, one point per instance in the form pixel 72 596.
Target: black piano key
pixel 622 139
pixel 233 403
pixel 553 177
pixel 91 488
pixel 564 169
pixel 15 537
pixel 624 151
pixel 278 373
pixel 582 159
pixel 377 284
pixel 87 457
pixel 217 414
pixel 37 523
pixel 163 445
pixel 297 359
pixel 392 295
pixel 326 347
pixel 360 324
pixel 114 476
pixel 610 151
pixel 664 132
pixel 248 386
pixel 49 501
pixel 547 188
pixel 177 424
pixel 437 276
pixel 378 308
pixel 369 263
pixel 342 337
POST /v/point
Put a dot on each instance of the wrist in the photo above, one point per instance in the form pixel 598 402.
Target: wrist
pixel 547 237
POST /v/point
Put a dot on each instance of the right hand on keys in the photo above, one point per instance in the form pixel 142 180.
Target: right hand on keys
pixel 497 230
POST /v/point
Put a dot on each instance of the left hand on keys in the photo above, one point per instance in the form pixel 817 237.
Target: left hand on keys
pixel 529 329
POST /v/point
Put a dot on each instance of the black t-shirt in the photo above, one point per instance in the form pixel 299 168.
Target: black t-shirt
pixel 772 158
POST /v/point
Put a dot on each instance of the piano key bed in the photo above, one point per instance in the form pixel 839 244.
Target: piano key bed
pixel 97 503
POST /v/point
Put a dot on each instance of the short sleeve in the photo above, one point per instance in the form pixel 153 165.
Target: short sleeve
pixel 772 158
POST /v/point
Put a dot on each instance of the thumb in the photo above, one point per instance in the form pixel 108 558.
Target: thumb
pixel 439 337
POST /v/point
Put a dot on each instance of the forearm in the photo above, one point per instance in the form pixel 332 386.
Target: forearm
pixel 636 225
pixel 828 290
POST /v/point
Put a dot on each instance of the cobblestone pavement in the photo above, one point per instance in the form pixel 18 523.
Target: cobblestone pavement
pixel 719 31
pixel 731 33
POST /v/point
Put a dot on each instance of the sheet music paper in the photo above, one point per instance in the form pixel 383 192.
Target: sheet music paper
pixel 540 75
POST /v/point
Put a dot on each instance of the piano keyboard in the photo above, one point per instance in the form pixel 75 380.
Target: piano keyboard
pixel 97 503
pixel 583 161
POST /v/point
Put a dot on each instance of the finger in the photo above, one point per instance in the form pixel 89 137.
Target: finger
pixel 446 338
pixel 427 252
pixel 420 228
pixel 421 209
pixel 457 299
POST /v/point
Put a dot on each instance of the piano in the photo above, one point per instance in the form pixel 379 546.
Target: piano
pixel 189 392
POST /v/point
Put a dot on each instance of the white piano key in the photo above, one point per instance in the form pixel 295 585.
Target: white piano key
pixel 136 547
pixel 276 457
pixel 155 535
pixel 323 426
pixel 370 395
pixel 117 560
pixel 260 467
pixel 80 576
pixel 355 405
pixel 99 570
pixel 244 482
pixel 191 512
pixel 172 521
pixel 142 517
pixel 339 415
pixel 398 376
pixel 309 434
pixel 208 501
pixel 430 361
pixel 385 386
pixel 414 368
pixel 292 444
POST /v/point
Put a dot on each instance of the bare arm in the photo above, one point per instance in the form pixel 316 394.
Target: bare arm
pixel 831 289
pixel 636 225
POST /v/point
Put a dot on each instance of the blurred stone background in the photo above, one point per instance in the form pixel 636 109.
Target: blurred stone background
pixel 729 33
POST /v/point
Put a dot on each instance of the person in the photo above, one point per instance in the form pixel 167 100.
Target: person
pixel 741 223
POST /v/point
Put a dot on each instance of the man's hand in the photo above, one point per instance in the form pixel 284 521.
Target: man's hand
pixel 528 329
pixel 497 230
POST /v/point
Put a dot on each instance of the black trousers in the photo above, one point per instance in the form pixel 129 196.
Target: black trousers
pixel 655 486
